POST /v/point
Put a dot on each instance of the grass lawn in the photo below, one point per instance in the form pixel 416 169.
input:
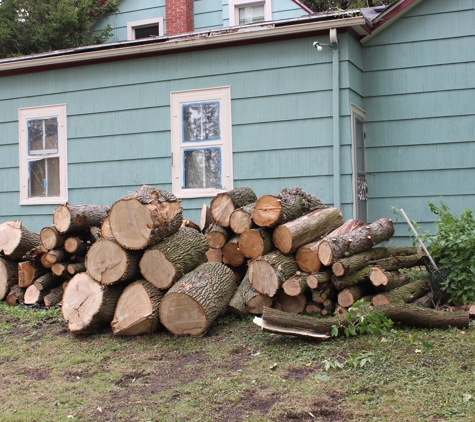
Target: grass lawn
pixel 233 373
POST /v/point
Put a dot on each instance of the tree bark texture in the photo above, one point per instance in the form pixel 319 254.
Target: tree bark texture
pixel 54 297
pixel 48 281
pixel 385 281
pixel 231 253
pixel 165 262
pixel 241 219
pixel 290 236
pixel 76 268
pixel 105 229
pixel 16 240
pixel 196 300
pixel 137 310
pixel 317 279
pixel 108 263
pixel 307 255
pixel 353 279
pixel 253 300
pixel 70 218
pixel 404 294
pixel 254 243
pixel 15 295
pixel 145 217
pixel 359 240
pixel 224 204
pixel 237 305
pixel 8 276
pixel 270 211
pixel 269 272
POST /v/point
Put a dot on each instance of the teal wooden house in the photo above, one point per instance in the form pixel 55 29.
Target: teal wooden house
pixel 367 109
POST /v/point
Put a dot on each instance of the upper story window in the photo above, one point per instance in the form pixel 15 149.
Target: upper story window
pixel 242 12
pixel 43 155
pixel 145 28
pixel 201 142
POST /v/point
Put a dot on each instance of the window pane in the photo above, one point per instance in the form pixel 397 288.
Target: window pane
pixel 51 129
pixel 201 122
pixel 146 31
pixel 43 135
pixel 251 14
pixel 35 135
pixel 202 168
pixel 43 177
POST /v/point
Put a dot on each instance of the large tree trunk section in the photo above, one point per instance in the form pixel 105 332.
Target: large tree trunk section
pixel 354 263
pixel 206 219
pixel 387 280
pixel 253 300
pixel 290 204
pixel 269 272
pixel 194 302
pixel 317 279
pixel 28 271
pixel 76 268
pixel 292 304
pixel 75 246
pixel 8 276
pixel 15 295
pixel 166 262
pixel 296 284
pixel 241 219
pixel 223 204
pixel 359 240
pixel 347 297
pixel 216 236
pixel 109 263
pixel 404 294
pixel 214 255
pixel 69 218
pixel 307 255
pixel 137 310
pixel 254 243
pixel 290 236
pixel 33 295
pixel 105 230
pixel 16 240
pixel 231 253
pixel 88 306
pixel 145 217
pixel 56 255
pixel 50 238
pixel 48 281
pixel 353 279
pixel 54 297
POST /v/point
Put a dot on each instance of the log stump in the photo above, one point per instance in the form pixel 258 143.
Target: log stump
pixel 224 204
pixel 241 219
pixel 254 243
pixel 16 240
pixel 70 218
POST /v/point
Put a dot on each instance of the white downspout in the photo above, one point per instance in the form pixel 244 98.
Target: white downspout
pixel 336 119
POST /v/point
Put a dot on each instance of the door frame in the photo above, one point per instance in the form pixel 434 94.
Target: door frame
pixel 357 113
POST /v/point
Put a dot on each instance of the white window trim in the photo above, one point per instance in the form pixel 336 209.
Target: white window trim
pixel 360 114
pixel 25 114
pixel 177 100
pixel 234 5
pixel 144 22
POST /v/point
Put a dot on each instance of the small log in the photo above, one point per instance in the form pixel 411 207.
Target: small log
pixel 145 217
pixel 48 281
pixel 165 262
pixel 16 240
pixel 347 297
pixel 216 236
pixel 387 280
pixel 28 271
pixel 427 301
pixel 54 256
pixel 296 285
pixel 223 204
pixel 269 272
pixel 353 279
pixel 106 231
pixel 15 295
pixel 359 240
pixel 206 219
pixel 60 269
pixel 307 255
pixel 253 300
pixel 241 219
pixel 292 304
pixel 231 253
pixel 50 238
pixel 137 310
pixel 290 236
pixel 196 300
pixel 329 307
pixel 270 211
pixel 8 276
pixel 33 295
pixel 404 294
pixel 75 246
pixel 88 306
pixel 254 243
pixel 69 218
pixel 237 305
pixel 45 263
pixel 317 279
pixel 108 263
pixel 76 268
pixel 214 255
pixel 54 297
pixel 313 309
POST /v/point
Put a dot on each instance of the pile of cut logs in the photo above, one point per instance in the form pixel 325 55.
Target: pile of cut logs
pixel 139 265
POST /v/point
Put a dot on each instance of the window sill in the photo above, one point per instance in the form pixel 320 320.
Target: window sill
pixel 44 201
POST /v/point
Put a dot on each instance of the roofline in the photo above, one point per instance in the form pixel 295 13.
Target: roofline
pixel 167 45
pixel 302 6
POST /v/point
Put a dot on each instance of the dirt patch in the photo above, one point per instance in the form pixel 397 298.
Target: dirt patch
pixel 37 374
pixel 252 403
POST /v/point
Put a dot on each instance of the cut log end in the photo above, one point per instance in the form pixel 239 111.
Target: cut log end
pixel 266 211
pixel 325 253
pixel 222 207
pixel 157 269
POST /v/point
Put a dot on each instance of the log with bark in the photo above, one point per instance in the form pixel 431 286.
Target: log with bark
pixel 33 295
pixel 54 297
pixel 270 211
pixel 70 218
pixel 196 300
pixel 48 281
pixel 55 255
pixel 247 300
pixel 355 262
pixel 8 276
pixel 76 268
pixel 16 240
pixel 214 255
pixel 60 269
pixel 241 219
pixel 50 238
pixel 145 217
pixel 165 262
pixel 317 279
pixel 288 237
pixel 353 279
pixel 307 255
pixel 137 310
pixel 296 285
pixel 269 272
pixel 108 263
pixel 254 243
pixel 359 240
pixel 236 304
pixel 292 304
pixel 384 281
pixel 76 246
pixel 232 254
pixel 28 271
pixel 15 295
pixel 223 204
pixel 404 294
pixel 216 236
pixel 88 306
pixel 347 297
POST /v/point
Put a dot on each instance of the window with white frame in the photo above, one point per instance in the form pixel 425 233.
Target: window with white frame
pixel 43 155
pixel 145 28
pixel 201 142
pixel 242 12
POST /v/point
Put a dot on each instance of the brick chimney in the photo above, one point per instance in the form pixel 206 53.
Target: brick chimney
pixel 179 16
